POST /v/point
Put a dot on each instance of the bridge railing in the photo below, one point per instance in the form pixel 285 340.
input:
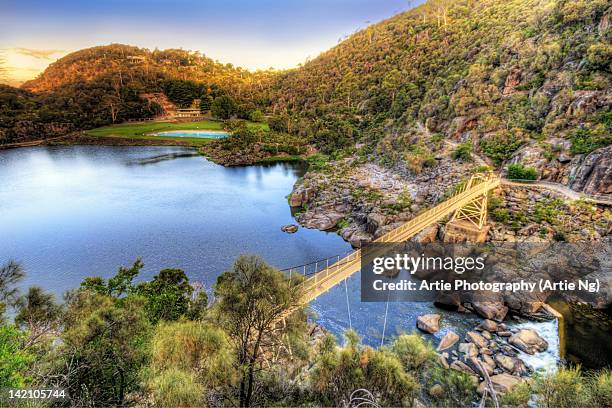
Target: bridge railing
pixel 475 187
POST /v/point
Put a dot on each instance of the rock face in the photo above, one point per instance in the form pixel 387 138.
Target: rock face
pixel 529 341
pixel 323 221
pixel 593 174
pixel 429 323
pixel 502 383
pixel 448 341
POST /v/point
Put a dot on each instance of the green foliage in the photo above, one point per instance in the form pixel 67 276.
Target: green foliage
pixel 14 359
pixel 520 172
pixel 339 371
pixel 520 396
pixel 176 388
pixel 318 162
pixel 257 116
pixel 458 388
pixel 223 107
pixel 501 146
pixel 463 151
pixel 501 215
pixel 413 352
pixel 548 210
pixel 105 345
pixel 11 274
pixel 600 384
pixel 588 139
pixel 195 348
pixel 564 388
pixel 182 93
pixel 168 295
pixel 250 298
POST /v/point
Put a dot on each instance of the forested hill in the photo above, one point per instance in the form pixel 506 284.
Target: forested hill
pixel 498 73
pixel 495 75
pixel 139 67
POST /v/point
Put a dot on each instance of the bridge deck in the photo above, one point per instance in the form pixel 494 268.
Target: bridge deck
pixel 326 279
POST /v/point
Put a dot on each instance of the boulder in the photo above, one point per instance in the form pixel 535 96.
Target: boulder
pixel 502 383
pixel 448 341
pixel 477 339
pixel 489 325
pixel 529 341
pixel 491 310
pixel 505 362
pixel 462 367
pixel 448 299
pixel 429 323
pixel 289 228
pixel 469 349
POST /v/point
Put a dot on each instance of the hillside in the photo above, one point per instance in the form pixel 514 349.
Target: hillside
pixel 500 74
pixel 133 66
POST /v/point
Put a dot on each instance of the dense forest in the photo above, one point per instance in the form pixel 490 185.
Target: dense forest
pixel 496 75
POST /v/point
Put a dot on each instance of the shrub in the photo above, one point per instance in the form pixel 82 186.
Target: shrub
pixel 520 172
pixel 562 389
pixel 501 146
pixel 413 351
pixel 318 162
pixel 463 151
pixel 458 388
pixel 257 116
pixel 600 385
pixel 501 215
pixel 176 388
pixel 584 141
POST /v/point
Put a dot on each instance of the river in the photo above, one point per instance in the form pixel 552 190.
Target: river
pixel 69 212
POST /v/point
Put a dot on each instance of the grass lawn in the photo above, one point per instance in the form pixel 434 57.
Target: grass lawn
pixel 146 130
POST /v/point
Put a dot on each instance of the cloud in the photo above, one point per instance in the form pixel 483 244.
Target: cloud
pixel 37 53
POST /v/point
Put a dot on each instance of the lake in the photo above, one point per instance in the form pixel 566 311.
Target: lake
pixel 69 212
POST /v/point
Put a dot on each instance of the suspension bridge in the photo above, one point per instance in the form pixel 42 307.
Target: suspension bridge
pixel 468 206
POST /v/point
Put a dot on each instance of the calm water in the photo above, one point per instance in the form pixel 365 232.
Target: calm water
pixel 203 134
pixel 71 212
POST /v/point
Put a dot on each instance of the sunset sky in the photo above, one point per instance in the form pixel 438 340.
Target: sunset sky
pixel 252 34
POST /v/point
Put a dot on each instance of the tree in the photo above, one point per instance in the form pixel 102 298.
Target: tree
pixel 168 295
pixel 223 107
pixel 10 275
pixel 38 313
pixel 104 346
pixel 252 298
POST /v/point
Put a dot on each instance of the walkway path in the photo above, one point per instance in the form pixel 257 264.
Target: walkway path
pixel 561 189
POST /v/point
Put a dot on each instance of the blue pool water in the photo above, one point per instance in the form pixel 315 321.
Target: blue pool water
pixel 202 134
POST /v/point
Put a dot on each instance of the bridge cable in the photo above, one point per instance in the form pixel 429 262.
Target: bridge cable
pixel 348 306
pixel 382 340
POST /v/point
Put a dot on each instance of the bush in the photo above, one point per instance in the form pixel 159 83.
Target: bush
pixel 458 388
pixel 563 389
pixel 501 146
pixel 584 141
pixel 176 388
pixel 601 388
pixel 520 172
pixel 257 116
pixel 413 351
pixel 463 151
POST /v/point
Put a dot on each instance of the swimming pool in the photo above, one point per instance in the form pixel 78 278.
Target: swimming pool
pixel 202 134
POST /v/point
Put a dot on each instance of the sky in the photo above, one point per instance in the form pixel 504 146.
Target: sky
pixel 256 34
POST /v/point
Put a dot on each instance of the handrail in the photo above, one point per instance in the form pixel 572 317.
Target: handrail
pixel 322 281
